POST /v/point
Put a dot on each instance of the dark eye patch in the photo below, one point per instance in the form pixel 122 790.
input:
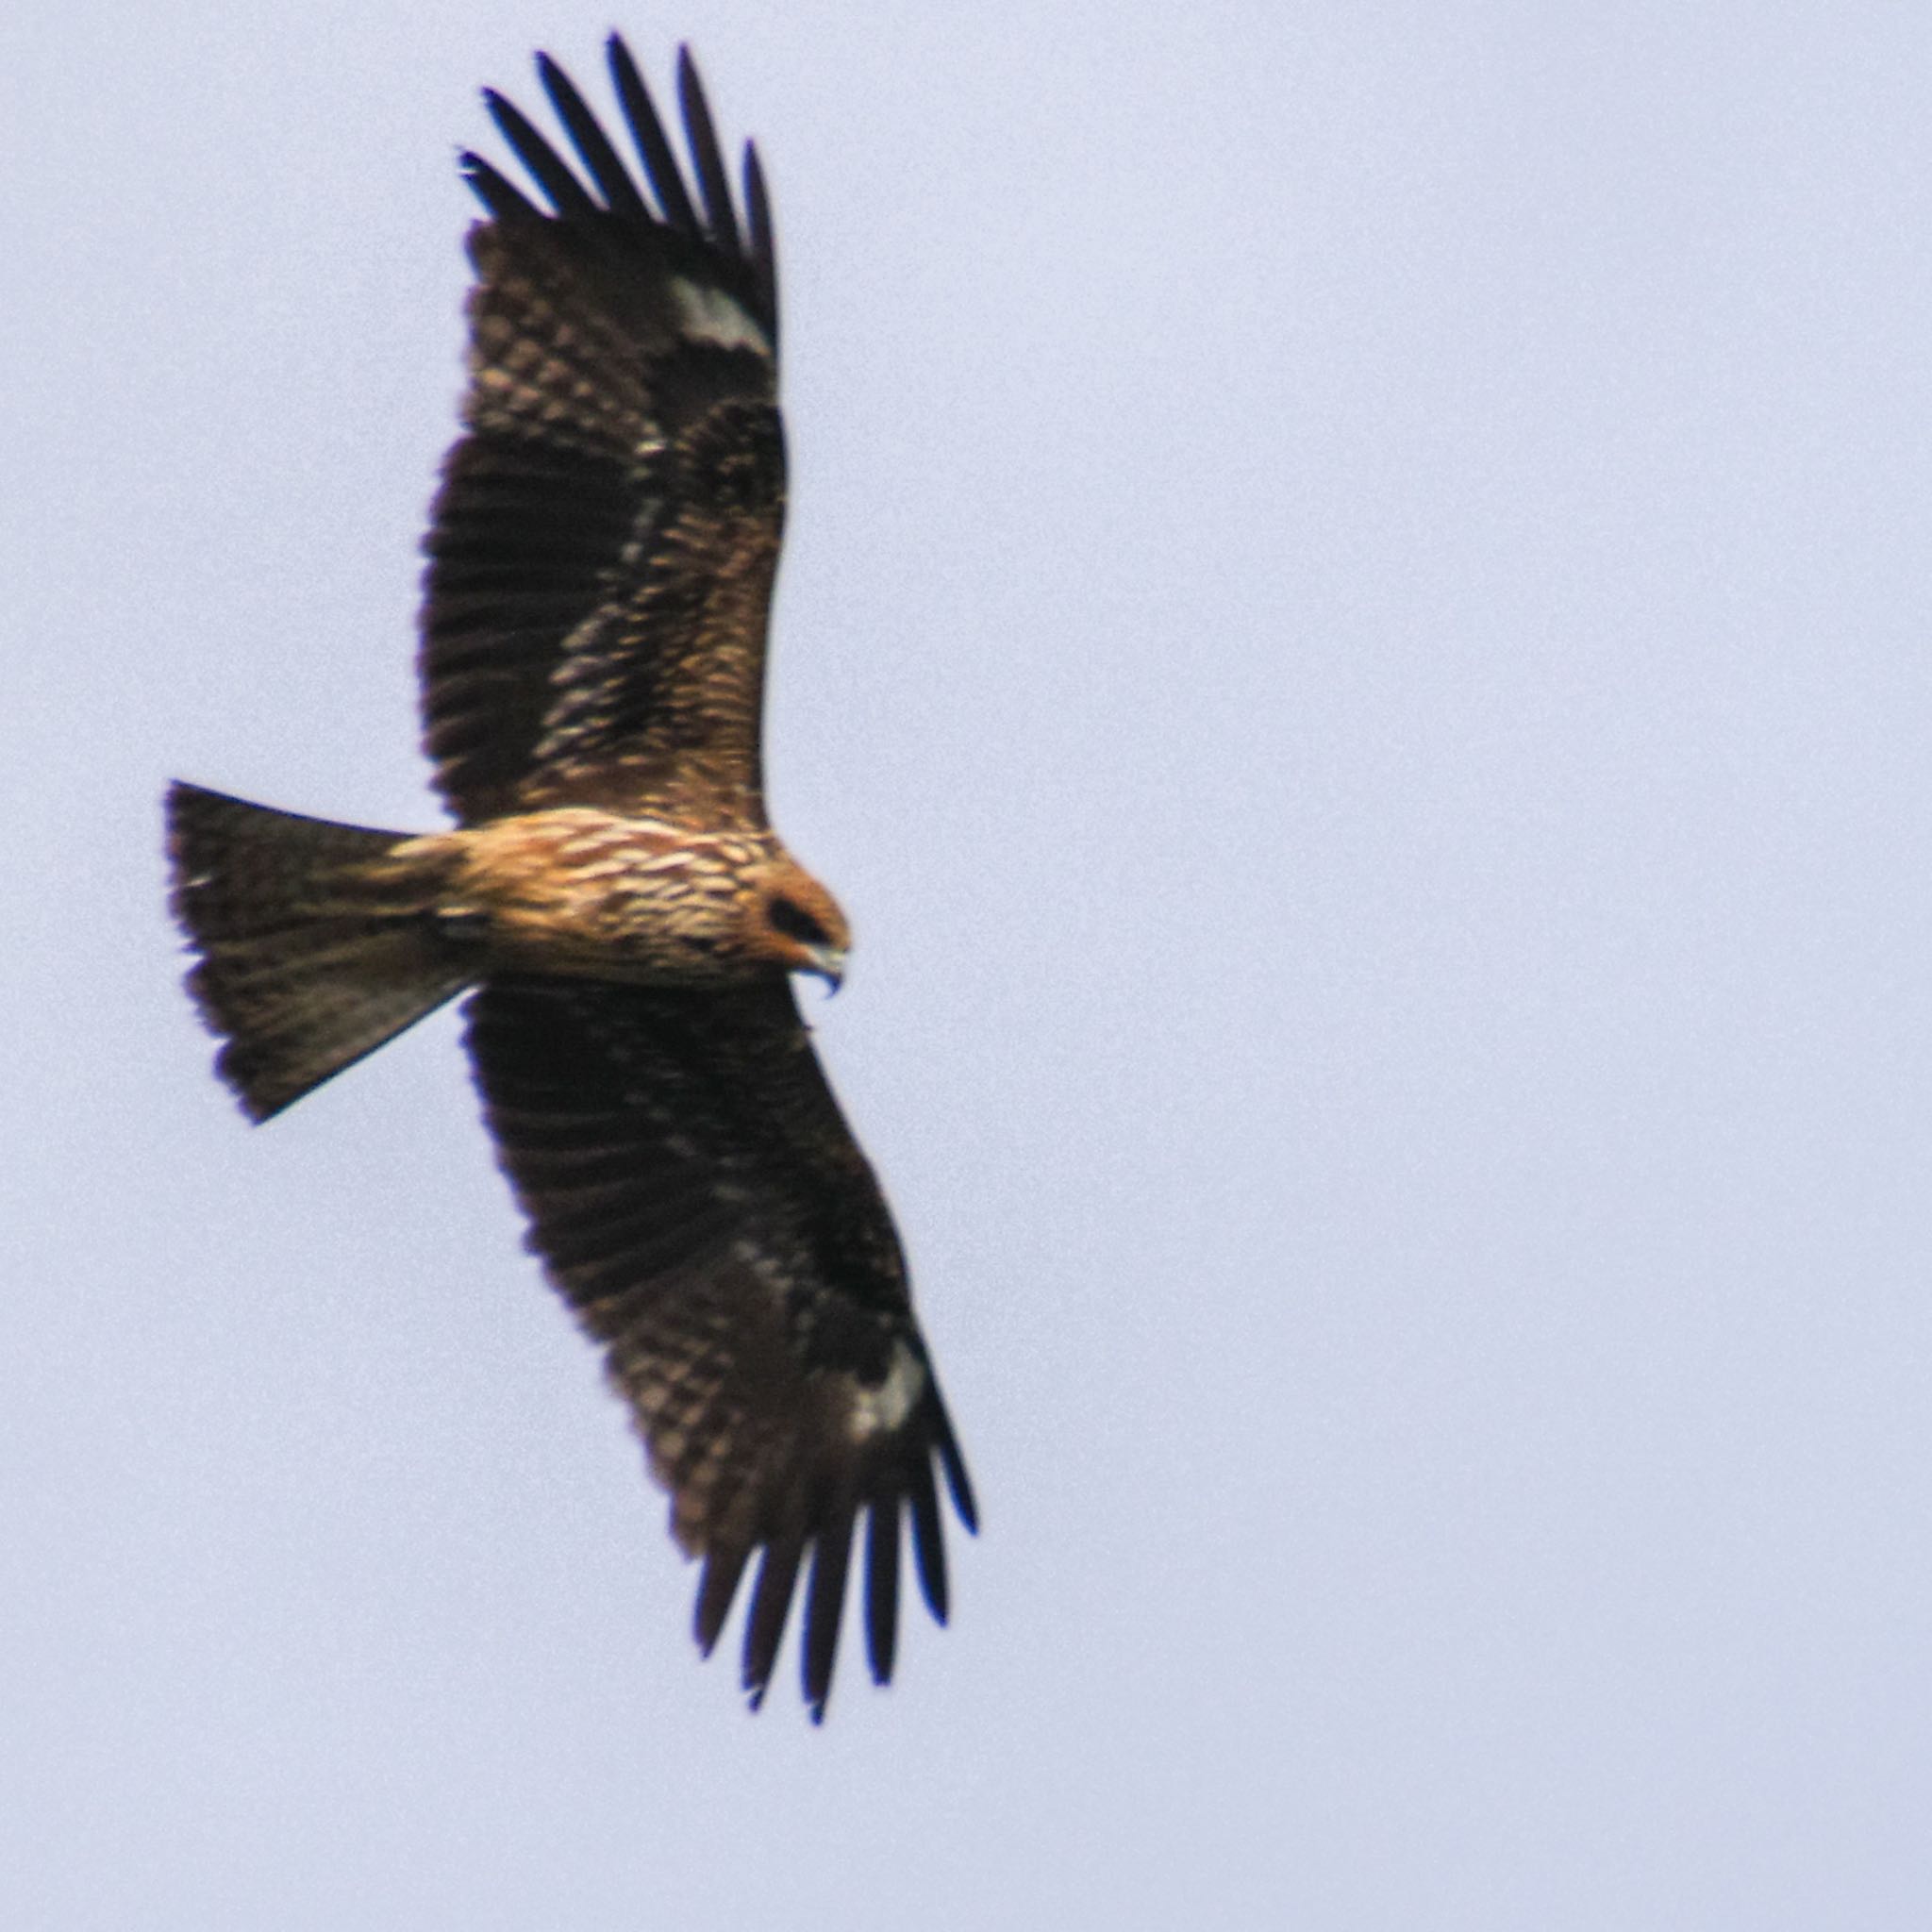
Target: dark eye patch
pixel 795 922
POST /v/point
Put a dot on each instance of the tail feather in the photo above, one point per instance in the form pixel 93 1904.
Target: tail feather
pixel 312 954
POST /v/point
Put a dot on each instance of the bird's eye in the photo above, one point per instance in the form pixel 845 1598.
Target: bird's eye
pixel 795 922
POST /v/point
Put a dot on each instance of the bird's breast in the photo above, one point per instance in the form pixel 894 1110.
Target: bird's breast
pixel 578 891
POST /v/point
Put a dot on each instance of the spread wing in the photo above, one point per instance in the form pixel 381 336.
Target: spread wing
pixel 603 546
pixel 700 1202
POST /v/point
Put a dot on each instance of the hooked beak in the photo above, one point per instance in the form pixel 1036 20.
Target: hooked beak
pixel 828 963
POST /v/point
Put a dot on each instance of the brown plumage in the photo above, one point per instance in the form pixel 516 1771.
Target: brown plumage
pixel 601 559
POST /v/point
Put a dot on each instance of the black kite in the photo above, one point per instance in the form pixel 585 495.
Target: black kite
pixel 602 553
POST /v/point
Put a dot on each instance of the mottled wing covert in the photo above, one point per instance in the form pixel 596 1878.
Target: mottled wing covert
pixel 702 1206
pixel 603 546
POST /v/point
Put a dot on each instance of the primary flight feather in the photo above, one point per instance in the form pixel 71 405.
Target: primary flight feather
pixel 602 553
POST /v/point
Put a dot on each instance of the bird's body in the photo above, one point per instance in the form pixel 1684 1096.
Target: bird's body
pixel 602 555
pixel 598 895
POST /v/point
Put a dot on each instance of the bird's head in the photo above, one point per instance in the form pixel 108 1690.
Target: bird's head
pixel 795 922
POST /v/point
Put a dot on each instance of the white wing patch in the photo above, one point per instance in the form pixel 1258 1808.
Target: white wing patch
pixel 710 315
pixel 879 1411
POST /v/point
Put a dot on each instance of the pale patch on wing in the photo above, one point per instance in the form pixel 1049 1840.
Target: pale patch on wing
pixel 879 1411
pixel 710 315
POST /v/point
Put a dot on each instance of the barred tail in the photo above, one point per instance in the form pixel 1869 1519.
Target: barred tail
pixel 311 955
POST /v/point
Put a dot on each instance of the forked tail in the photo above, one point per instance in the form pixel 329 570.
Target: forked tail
pixel 312 953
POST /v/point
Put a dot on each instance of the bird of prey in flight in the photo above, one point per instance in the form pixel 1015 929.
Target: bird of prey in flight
pixel 614 897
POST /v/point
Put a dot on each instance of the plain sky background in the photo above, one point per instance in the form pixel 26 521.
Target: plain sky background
pixel 1354 638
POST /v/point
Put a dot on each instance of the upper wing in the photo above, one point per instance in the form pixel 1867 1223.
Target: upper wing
pixel 603 546
pixel 702 1206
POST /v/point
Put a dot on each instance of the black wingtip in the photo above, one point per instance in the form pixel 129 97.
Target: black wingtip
pixel 928 1540
pixel 498 196
pixel 717 1590
pixel 824 1603
pixel 612 179
pixel 770 1604
pixel 882 1587
pixel 648 133
pixel 582 182
pixel 701 137
pixel 762 240
pixel 958 1484
pixel 566 194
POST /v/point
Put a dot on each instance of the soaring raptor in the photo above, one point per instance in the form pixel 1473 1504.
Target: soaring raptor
pixel 626 922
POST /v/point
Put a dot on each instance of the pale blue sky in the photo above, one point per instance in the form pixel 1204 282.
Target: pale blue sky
pixel 1355 639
